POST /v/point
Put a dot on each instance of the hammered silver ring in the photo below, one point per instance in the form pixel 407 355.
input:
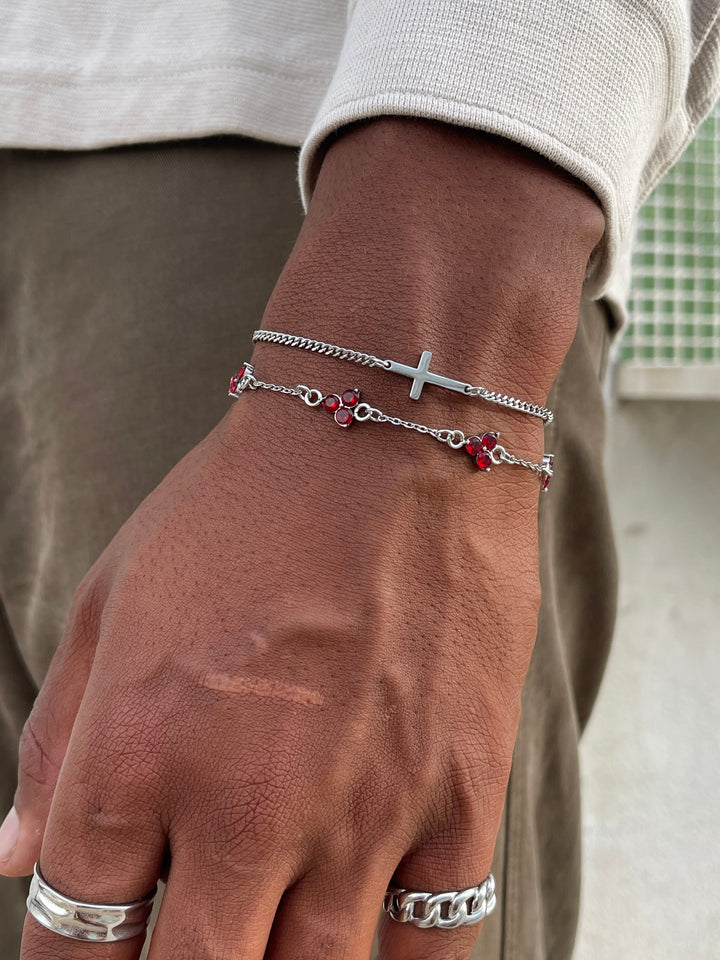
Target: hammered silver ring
pixel 95 922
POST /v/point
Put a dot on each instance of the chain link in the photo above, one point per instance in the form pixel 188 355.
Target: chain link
pixel 443 910
pixel 254 384
pixel 362 412
pixel 318 346
pixel 500 455
pixel 311 397
pixel 454 438
pixel 524 406
pixel 368 359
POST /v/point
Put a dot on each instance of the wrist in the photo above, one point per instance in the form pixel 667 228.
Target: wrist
pixel 425 236
pixel 304 422
pixel 421 237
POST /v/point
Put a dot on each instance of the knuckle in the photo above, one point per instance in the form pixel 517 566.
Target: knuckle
pixel 113 775
pixel 113 799
pixel 469 804
pixel 109 814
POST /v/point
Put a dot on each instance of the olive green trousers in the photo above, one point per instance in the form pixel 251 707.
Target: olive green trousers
pixel 130 281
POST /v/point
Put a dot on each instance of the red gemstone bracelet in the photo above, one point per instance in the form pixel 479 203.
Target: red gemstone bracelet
pixel 347 408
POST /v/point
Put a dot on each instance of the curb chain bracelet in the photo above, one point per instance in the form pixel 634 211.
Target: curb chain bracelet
pixel 419 375
pixel 347 407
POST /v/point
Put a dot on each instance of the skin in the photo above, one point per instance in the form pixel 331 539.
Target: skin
pixel 295 673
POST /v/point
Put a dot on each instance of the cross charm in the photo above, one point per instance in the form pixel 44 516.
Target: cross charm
pixel 421 374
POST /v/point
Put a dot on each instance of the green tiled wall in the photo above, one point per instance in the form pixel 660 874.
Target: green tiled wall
pixel 675 297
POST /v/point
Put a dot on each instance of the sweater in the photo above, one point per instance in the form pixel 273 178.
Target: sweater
pixel 610 90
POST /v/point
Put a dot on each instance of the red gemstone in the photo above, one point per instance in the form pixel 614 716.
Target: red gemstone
pixel 483 460
pixel 351 398
pixel 235 381
pixel 473 445
pixel 546 482
pixel 344 417
pixel 331 402
pixel 489 440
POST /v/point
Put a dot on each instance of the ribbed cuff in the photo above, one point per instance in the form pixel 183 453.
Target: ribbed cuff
pixel 593 85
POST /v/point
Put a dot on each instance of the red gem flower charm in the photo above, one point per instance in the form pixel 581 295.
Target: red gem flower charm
pixel 342 406
pixel 480 447
pixel 236 378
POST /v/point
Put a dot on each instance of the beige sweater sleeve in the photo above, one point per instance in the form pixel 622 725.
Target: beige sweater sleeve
pixel 611 90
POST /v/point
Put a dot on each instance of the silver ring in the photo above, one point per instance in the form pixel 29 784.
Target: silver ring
pixel 99 923
pixel 457 908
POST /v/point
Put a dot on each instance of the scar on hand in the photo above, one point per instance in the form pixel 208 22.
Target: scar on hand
pixel 266 689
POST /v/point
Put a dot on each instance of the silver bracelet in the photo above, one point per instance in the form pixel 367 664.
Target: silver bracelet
pixel 346 408
pixel 420 375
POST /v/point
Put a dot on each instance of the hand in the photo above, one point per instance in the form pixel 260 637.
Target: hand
pixel 296 671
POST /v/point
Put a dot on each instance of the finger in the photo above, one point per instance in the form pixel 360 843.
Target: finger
pixel 329 915
pixel 455 860
pixel 104 840
pixel 215 906
pixel 47 731
pixel 231 855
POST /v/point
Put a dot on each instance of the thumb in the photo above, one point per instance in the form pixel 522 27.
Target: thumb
pixel 46 734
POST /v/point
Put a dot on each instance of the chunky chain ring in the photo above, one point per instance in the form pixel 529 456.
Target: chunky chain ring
pixel 444 910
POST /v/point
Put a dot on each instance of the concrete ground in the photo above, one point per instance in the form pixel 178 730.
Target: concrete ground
pixel 651 755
